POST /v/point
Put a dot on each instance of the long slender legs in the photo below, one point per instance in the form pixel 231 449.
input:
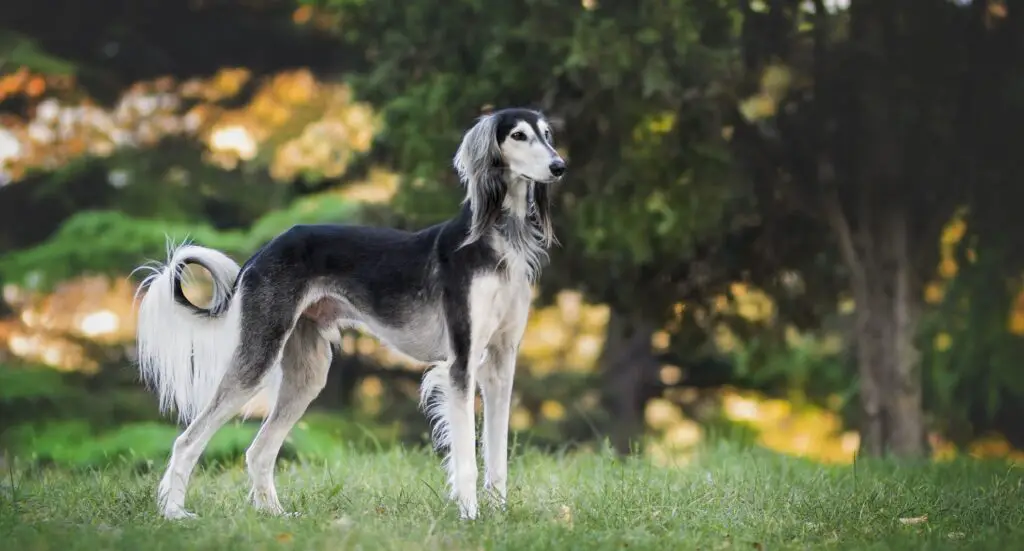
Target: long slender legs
pixel 262 340
pixel 496 386
pixel 231 395
pixel 304 364
pixel 476 328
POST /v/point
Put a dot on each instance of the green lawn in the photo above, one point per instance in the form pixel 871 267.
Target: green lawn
pixel 729 498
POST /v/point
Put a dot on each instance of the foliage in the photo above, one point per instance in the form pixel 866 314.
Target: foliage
pixel 53 418
pixel 30 384
pixel 648 179
pixel 728 497
pixel 75 444
pixel 118 242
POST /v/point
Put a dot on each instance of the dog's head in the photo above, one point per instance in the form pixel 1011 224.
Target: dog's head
pixel 502 148
pixel 517 140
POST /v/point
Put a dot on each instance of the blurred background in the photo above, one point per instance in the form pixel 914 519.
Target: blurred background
pixel 791 223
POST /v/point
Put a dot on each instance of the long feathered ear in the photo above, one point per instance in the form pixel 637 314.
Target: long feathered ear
pixel 541 212
pixel 480 166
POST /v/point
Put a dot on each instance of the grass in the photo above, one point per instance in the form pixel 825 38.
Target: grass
pixel 728 498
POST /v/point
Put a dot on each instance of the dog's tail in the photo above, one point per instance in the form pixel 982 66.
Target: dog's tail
pixel 183 349
pixel 435 394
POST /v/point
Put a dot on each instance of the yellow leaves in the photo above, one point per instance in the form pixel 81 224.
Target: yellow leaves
pixel 948 268
pixel 724 338
pixel 990 446
pixel 552 410
pixel 670 375
pixel 379 186
pixel 660 340
pixel 369 394
pixel 953 232
pixel 284 537
pixel 810 432
pixel 748 302
pixel 307 126
pixel 654 126
pixel 776 81
pixel 943 342
pixel 1016 322
pixel 520 419
pixel 934 292
pixel 229 82
pixel 912 521
pixel 662 124
pixel 660 414
pixel 295 87
pixel 566 336
pixel 758 107
pixel 97 308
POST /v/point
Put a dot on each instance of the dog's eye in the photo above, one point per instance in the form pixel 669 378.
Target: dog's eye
pixel 547 136
pixel 518 135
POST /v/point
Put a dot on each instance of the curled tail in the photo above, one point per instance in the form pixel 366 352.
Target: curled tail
pixel 183 349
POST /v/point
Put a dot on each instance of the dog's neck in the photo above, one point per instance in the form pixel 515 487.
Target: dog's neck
pixel 516 235
pixel 517 198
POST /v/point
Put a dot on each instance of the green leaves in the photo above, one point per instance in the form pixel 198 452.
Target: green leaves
pixel 118 242
pixel 18 50
pixel 649 177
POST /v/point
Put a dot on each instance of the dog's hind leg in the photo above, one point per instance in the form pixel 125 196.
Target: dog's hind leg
pixel 232 393
pixel 262 338
pixel 304 366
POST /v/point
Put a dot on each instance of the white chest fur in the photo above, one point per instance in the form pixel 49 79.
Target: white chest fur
pixel 498 304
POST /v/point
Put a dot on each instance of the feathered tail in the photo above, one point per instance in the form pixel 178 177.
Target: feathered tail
pixel 183 349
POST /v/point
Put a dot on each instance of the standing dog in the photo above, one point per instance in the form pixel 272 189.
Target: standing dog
pixel 455 295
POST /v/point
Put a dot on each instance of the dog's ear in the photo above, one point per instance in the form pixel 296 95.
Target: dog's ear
pixel 541 213
pixel 480 166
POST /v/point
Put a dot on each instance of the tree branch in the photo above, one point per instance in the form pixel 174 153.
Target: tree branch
pixel 847 246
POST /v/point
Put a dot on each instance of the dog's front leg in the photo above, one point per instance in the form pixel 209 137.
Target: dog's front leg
pixel 461 461
pixel 496 377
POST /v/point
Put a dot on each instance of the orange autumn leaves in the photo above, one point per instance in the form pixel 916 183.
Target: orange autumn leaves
pixel 294 125
pixel 29 84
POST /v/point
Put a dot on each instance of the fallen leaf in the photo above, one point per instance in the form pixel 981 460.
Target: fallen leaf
pixel 283 537
pixel 956 535
pixel 380 509
pixel 564 515
pixel 759 546
pixel 914 520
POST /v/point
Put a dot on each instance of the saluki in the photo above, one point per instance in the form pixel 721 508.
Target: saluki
pixel 455 296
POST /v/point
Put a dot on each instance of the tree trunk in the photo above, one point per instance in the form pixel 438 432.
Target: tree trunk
pixel 887 308
pixel 626 365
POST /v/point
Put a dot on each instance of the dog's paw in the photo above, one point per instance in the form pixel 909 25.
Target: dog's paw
pixel 467 511
pixel 266 502
pixel 178 513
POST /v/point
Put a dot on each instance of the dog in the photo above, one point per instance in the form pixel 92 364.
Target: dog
pixel 455 296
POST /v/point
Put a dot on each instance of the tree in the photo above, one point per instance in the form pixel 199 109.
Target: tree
pixel 845 125
pixel 652 212
pixel 868 121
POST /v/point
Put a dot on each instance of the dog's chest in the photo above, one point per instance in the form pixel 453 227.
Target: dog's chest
pixel 498 304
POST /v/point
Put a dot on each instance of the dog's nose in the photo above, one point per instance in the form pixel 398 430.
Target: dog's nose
pixel 557 167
